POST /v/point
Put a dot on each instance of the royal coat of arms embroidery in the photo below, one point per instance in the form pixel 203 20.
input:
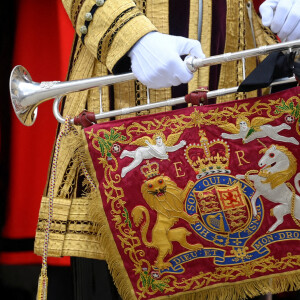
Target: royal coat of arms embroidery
pixel 203 200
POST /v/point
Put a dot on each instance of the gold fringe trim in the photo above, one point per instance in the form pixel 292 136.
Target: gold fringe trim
pixel 95 209
pixel 112 255
pixel 115 263
pixel 274 284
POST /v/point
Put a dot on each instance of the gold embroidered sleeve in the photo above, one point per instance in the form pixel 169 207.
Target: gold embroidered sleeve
pixel 110 29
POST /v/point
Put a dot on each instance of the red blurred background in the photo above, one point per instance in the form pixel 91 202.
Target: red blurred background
pixel 38 35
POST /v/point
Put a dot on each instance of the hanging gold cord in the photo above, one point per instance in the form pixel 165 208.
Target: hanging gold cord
pixel 43 278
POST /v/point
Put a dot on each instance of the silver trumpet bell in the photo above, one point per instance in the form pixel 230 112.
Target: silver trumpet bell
pixel 22 96
pixel 26 94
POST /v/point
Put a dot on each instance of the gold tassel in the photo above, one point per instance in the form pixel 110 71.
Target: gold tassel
pixel 42 287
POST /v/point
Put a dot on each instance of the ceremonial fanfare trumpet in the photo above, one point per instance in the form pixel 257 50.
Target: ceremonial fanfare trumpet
pixel 26 94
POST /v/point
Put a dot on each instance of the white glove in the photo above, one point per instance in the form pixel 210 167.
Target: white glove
pixel 283 17
pixel 156 62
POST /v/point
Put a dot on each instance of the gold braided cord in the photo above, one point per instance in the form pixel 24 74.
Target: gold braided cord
pixel 43 279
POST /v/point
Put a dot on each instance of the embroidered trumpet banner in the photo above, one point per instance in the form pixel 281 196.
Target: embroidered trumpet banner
pixel 203 200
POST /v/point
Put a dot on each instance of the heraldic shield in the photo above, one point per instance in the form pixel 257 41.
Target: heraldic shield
pixel 202 201
pixel 223 209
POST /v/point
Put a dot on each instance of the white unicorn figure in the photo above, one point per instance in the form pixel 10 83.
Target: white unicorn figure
pixel 278 165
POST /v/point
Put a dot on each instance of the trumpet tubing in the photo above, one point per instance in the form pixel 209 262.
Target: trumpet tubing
pixel 26 94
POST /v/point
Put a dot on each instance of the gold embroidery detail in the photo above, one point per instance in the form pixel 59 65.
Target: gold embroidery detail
pixel 76 6
pixel 142 5
pixel 209 160
pixel 141 97
pixel 108 37
pixel 69 226
pixel 278 178
pixel 121 220
pixel 166 198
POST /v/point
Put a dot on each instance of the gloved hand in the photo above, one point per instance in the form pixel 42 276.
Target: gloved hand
pixel 156 62
pixel 282 16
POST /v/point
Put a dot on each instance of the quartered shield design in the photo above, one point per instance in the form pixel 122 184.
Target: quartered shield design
pixel 223 209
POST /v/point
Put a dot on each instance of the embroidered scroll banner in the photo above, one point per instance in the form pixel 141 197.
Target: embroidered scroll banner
pixel 202 201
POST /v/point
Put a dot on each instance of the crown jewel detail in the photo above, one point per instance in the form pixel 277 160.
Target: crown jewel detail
pixel 208 156
pixel 150 169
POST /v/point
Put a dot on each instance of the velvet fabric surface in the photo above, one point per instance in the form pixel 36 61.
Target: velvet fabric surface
pixel 202 200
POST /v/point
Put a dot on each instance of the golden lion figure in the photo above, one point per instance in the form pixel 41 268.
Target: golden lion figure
pixel 166 198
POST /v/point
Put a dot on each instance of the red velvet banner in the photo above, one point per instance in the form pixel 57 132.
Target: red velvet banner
pixel 203 200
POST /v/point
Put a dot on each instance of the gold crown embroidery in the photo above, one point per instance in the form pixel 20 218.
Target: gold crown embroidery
pixel 208 157
pixel 150 170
